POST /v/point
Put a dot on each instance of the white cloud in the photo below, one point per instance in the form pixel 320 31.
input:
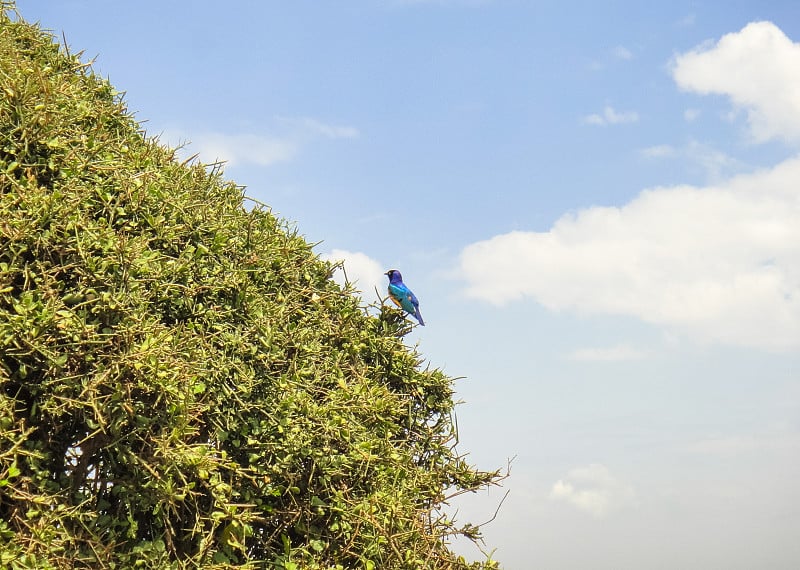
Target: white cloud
pixel 610 116
pixel 593 489
pixel 361 270
pixel 619 353
pixel 757 68
pixel 719 264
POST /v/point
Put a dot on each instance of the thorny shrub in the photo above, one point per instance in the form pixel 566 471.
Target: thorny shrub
pixel 181 383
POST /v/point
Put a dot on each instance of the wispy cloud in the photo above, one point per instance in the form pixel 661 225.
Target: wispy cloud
pixel 757 69
pixel 611 116
pixel 621 52
pixel 691 114
pixel 688 20
pixel 443 2
pixel 715 164
pixel 738 445
pixel 283 144
pixel 659 151
pixel 310 126
pixel 619 353
pixel 233 149
pixel 593 489
pixel 614 55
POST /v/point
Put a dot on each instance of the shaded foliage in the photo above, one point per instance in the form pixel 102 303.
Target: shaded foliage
pixel 181 382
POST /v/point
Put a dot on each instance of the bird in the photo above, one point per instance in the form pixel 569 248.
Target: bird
pixel 402 295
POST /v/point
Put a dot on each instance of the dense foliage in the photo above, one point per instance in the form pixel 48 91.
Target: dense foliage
pixel 181 382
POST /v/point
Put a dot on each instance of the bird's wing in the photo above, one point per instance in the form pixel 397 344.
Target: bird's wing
pixel 402 297
pixel 406 300
pixel 395 300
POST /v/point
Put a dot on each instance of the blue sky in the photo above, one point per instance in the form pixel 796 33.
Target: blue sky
pixel 596 204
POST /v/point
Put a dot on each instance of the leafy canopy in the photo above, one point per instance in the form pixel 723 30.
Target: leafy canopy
pixel 182 384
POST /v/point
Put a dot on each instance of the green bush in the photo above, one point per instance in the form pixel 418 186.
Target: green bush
pixel 183 385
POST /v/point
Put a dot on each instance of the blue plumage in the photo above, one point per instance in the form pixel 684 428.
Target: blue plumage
pixel 402 295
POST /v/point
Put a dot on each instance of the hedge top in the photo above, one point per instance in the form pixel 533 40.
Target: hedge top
pixel 183 385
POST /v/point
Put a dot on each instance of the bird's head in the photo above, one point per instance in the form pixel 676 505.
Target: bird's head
pixel 394 276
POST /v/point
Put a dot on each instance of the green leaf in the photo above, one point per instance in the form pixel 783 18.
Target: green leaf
pixel 13 471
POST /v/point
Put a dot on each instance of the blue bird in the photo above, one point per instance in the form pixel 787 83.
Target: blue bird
pixel 402 295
